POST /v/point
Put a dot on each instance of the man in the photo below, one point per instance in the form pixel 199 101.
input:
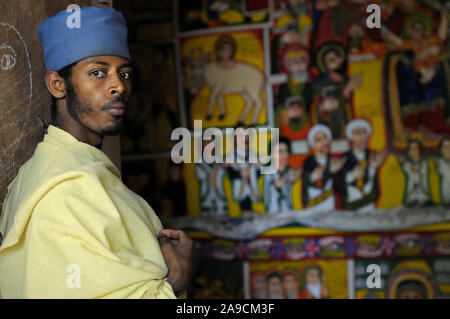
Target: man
pixel 358 181
pixel 210 177
pixel 242 171
pixel 258 285
pixel 314 284
pixel 417 191
pixel 296 63
pixel 333 89
pixel 319 170
pixel 411 289
pixel 291 283
pixel 278 186
pixel 293 119
pixel 67 210
pixel 274 284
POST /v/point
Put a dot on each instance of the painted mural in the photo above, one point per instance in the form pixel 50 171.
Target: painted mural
pixel 298 280
pixel 363 113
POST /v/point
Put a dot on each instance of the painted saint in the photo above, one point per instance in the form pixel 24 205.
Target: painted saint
pixel 358 181
pixel 278 186
pixel 319 170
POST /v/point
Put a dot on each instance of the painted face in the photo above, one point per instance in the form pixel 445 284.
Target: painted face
pixel 414 152
pixel 281 153
pixel 445 150
pixel 312 277
pixel 259 286
pixel 360 138
pixel 321 144
pixel 225 52
pixel 100 89
pixel 295 110
pixel 275 288
pixel 417 31
pixel 410 294
pixel 333 61
pixel 291 286
pixel 298 64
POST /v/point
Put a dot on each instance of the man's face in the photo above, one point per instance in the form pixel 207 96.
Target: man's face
pixel 291 285
pixel 321 144
pixel 359 138
pixel 417 31
pixel 445 150
pixel 295 110
pixel 98 91
pixel 414 152
pixel 225 52
pixel 275 288
pixel 281 153
pixel 259 285
pixel 298 64
pixel 312 277
pixel 410 294
pixel 333 61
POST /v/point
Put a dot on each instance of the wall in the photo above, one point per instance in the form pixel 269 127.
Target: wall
pixel 24 99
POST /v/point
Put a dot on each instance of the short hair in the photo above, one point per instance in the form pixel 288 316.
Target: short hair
pixel 274 274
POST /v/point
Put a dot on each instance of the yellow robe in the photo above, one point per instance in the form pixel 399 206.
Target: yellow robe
pixel 72 229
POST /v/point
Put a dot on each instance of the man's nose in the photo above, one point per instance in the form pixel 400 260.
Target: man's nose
pixel 116 87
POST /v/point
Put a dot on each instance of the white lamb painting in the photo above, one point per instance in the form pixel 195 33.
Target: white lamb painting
pixel 227 76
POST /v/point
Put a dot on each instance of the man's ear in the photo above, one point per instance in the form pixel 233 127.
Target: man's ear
pixel 55 84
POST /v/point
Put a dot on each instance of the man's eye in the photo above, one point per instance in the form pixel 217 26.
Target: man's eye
pixel 98 74
pixel 125 75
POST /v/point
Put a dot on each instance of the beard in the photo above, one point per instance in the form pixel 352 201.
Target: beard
pixel 315 290
pixel 78 108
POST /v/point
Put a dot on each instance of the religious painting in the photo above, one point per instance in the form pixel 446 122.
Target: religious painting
pixel 235 186
pixel 202 14
pixel 298 280
pixel 404 279
pixel 153 111
pixel 217 280
pixel 416 74
pixel 224 82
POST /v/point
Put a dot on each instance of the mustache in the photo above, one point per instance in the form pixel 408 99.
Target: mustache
pixel 117 103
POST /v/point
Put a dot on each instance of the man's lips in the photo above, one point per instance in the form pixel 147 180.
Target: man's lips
pixel 116 109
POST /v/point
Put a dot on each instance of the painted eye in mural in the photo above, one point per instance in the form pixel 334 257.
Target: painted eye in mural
pixel 7 57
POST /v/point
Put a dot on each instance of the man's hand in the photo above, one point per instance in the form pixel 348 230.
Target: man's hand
pixel 180 255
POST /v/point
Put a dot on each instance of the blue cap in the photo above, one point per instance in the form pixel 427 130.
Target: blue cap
pixel 102 32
